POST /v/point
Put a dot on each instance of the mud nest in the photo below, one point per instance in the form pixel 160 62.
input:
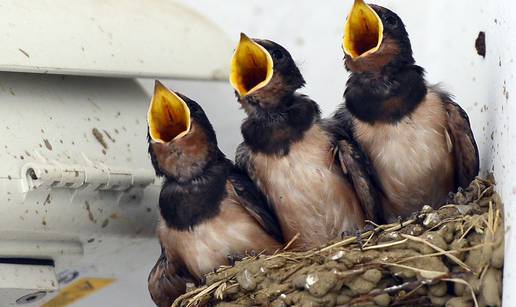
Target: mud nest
pixel 452 256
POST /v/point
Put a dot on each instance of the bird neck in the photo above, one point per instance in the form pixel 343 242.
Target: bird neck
pixel 273 131
pixel 386 96
pixel 183 205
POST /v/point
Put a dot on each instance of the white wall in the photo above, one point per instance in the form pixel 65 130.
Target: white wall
pixel 443 34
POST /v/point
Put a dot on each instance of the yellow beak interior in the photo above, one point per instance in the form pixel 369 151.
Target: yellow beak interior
pixel 363 32
pixel 168 116
pixel 251 67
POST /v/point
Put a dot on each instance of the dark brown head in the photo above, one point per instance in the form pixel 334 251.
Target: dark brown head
pixel 375 37
pixel 263 73
pixel 182 141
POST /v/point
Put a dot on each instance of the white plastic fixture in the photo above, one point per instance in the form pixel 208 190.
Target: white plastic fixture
pixel 76 184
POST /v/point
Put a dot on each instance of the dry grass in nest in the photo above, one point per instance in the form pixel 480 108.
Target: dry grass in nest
pixel 452 256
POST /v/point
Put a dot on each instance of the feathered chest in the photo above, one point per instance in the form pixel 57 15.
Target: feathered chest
pixel 307 189
pixel 413 157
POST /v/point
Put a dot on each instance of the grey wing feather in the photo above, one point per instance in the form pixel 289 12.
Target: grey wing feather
pixel 357 167
pixel 253 199
pixel 166 281
pixel 465 148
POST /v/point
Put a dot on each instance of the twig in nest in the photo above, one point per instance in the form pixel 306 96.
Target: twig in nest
pixel 410 286
pixel 446 253
pixel 194 300
pixel 462 281
pixel 424 273
pixel 291 241
pixel 368 240
pixel 385 245
pixel 394 289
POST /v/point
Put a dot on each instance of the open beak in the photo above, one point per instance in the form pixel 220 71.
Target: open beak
pixel 251 67
pixel 363 32
pixel 168 116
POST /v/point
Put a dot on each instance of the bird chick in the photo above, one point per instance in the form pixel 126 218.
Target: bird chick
pixel 315 178
pixel 210 210
pixel 418 139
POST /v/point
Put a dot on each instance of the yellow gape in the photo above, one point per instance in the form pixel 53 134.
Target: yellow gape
pixel 168 116
pixel 363 32
pixel 251 67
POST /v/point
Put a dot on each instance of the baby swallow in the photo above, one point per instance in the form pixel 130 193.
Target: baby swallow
pixel 418 139
pixel 210 210
pixel 316 180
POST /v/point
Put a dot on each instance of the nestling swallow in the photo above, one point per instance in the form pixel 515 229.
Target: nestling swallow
pixel 210 209
pixel 418 139
pixel 315 179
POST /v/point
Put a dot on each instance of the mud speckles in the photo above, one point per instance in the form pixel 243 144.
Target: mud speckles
pixel 47 200
pixel 25 53
pixel 47 144
pixel 90 214
pixel 114 216
pixel 90 100
pixel 480 44
pixel 505 92
pixel 99 137
pixel 105 223
pixel 109 136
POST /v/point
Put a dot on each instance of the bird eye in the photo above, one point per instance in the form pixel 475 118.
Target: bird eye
pixel 277 54
pixel 390 20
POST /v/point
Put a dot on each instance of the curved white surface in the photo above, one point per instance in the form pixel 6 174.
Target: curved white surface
pixel 124 38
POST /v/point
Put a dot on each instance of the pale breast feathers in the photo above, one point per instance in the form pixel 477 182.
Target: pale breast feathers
pixel 309 193
pixel 413 158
